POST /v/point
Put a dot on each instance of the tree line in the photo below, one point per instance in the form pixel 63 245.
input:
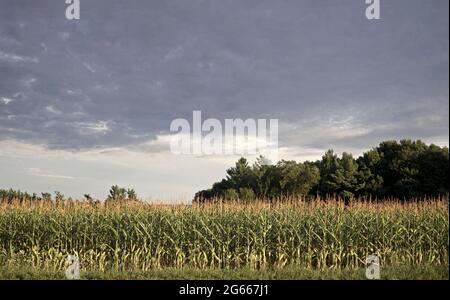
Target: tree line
pixel 403 170
pixel 116 194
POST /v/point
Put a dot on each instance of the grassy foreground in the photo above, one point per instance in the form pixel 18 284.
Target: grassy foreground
pixel 297 240
pixel 287 273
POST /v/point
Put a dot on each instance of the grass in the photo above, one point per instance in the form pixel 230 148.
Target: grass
pixel 296 240
pixel 287 273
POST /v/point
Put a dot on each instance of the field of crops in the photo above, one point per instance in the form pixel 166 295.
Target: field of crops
pixel 298 235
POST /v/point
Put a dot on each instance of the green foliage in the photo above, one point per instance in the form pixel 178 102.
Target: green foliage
pixel 46 197
pixel 246 194
pixel 59 197
pixel 329 166
pixel 10 196
pixel 297 179
pixel 132 196
pixel 433 172
pixel 118 194
pixel 406 170
pixel 368 181
pixel 240 175
pixel 231 194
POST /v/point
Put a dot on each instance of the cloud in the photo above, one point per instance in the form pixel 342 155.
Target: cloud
pixel 269 60
pixel 53 110
pixel 14 58
pixel 94 127
pixel 89 67
pixel 38 172
pixel 6 101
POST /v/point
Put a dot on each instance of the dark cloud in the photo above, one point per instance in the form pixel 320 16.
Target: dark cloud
pixel 124 71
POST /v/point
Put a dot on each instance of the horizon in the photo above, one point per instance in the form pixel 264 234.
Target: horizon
pixel 187 200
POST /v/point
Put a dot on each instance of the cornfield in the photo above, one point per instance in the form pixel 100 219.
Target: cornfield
pixel 138 236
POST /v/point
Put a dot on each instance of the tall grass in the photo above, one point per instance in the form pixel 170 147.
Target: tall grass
pixel 141 237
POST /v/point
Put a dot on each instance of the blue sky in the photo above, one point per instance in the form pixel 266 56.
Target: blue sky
pixel 86 104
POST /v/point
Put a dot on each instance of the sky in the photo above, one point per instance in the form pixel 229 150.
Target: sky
pixel 88 103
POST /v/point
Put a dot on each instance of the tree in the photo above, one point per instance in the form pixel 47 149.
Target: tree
pixel 246 194
pixel 329 165
pixel 231 194
pixel 240 175
pixel 204 196
pixel 46 197
pixel 338 175
pixel 116 194
pixel 219 188
pixel 347 173
pixel 369 183
pixel 297 179
pixel 132 196
pixel 261 184
pixel 406 169
pixel 59 197
pixel 399 167
pixel 433 174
